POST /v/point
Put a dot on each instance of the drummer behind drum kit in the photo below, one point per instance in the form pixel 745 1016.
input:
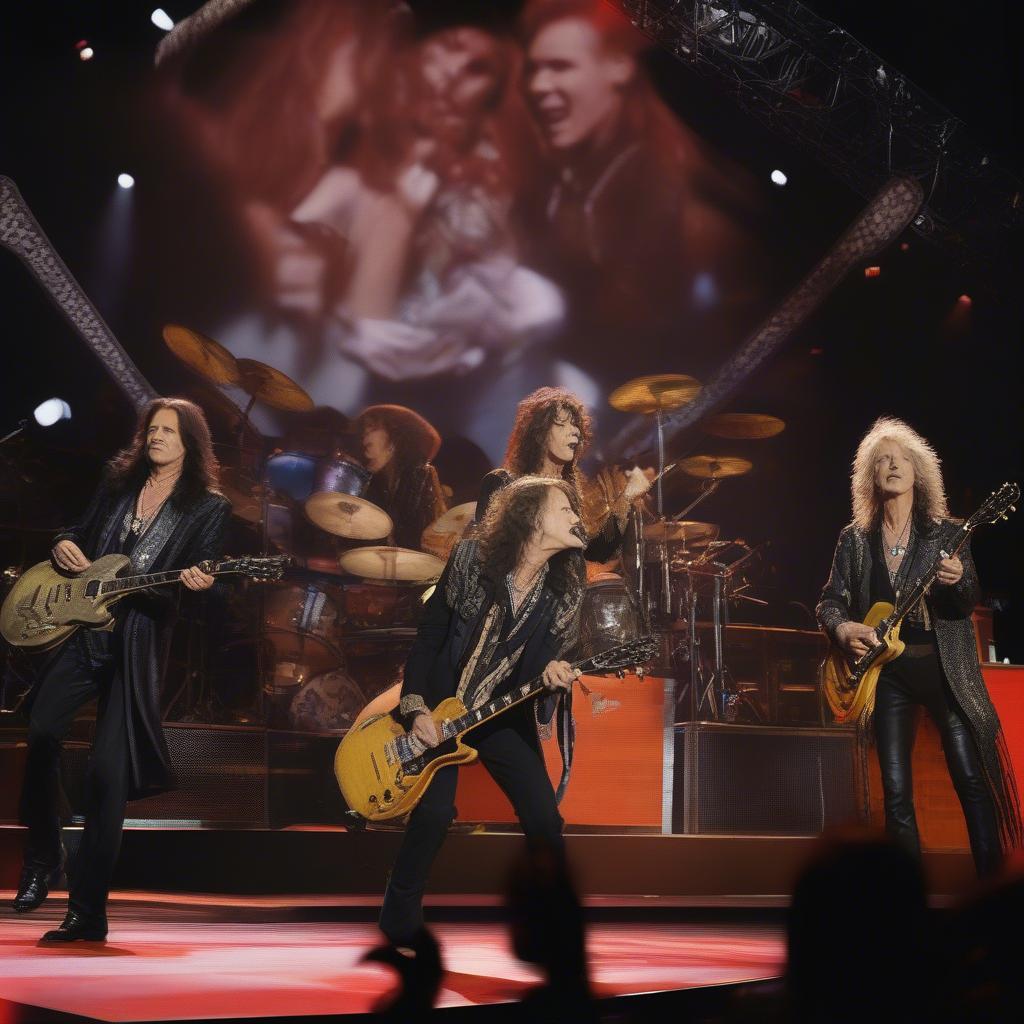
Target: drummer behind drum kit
pixel 352 594
pixel 674 566
pixel 344 600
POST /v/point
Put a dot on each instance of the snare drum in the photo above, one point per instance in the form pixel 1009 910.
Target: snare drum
pixel 311 609
pixel 341 475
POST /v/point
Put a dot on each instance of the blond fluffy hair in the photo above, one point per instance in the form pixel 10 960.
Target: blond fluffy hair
pixel 929 492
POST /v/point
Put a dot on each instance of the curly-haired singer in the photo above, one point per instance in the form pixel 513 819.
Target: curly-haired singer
pixel 159 505
pixel 900 530
pixel 549 437
pixel 506 610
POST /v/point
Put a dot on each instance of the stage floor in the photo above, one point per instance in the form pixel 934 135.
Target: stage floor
pixel 175 957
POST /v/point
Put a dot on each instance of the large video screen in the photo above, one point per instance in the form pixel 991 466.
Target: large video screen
pixel 447 207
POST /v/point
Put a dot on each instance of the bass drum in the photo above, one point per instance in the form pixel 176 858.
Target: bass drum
pixel 328 703
pixel 609 616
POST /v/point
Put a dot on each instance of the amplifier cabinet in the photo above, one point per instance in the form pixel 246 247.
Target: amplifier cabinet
pixel 762 779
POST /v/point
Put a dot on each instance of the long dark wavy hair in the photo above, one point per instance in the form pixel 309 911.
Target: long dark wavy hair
pixel 529 440
pixel 416 441
pixel 511 519
pixel 128 469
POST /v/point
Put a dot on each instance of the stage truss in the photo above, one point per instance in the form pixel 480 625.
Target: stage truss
pixel 814 84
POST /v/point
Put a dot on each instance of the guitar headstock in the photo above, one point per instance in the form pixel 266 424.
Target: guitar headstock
pixel 632 654
pixel 998 505
pixel 262 568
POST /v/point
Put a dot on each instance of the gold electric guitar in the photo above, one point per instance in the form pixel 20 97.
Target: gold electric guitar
pixel 850 685
pixel 383 771
pixel 46 605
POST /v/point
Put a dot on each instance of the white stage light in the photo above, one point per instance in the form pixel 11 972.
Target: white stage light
pixel 51 411
pixel 779 178
pixel 125 180
pixel 162 19
pixel 86 53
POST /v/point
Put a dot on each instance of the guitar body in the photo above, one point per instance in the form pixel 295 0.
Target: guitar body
pixel 371 779
pixel 45 606
pixel 848 691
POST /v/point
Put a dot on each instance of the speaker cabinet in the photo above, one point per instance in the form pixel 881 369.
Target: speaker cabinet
pixel 762 780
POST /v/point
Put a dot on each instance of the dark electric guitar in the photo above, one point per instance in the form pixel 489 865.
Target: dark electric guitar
pixel 383 771
pixel 850 684
pixel 47 605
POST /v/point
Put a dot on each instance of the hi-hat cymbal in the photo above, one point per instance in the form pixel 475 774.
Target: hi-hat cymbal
pixel 399 565
pixel 455 520
pixel 743 426
pixel 661 392
pixel 272 387
pixel 690 532
pixel 207 357
pixel 714 467
pixel 345 515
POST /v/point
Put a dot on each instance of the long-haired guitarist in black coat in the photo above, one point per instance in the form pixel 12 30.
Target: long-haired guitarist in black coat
pixel 900 530
pixel 159 505
pixel 505 611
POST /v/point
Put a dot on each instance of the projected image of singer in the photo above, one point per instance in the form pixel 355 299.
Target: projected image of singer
pixel 505 611
pixel 637 220
pixel 398 445
pixel 901 528
pixel 158 505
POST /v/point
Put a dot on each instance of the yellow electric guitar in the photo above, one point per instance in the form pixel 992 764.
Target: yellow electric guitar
pixel 46 605
pixel 850 685
pixel 383 771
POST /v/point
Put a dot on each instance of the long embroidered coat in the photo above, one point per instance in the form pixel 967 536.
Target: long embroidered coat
pixel 176 539
pixel 847 596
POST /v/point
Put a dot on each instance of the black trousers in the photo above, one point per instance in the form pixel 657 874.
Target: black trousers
pixel 904 685
pixel 71 680
pixel 517 765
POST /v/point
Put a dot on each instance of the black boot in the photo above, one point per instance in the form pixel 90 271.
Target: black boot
pixel 35 884
pixel 77 928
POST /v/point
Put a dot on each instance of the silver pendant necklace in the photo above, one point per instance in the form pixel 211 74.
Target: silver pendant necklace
pixel 899 548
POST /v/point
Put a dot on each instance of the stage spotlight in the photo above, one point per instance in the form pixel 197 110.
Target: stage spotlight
pixel 779 177
pixel 964 301
pixel 162 19
pixel 705 293
pixel 872 271
pixel 86 53
pixel 53 410
pixel 125 180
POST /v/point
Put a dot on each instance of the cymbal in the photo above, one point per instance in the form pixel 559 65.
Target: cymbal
pixel 455 520
pixel 345 515
pixel 743 426
pixel 207 357
pixel 714 467
pixel 392 564
pixel 242 491
pixel 272 387
pixel 690 532
pixel 661 392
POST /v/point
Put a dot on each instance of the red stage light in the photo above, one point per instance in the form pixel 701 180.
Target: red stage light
pixel 872 271
pixel 964 300
pixel 904 246
pixel 816 351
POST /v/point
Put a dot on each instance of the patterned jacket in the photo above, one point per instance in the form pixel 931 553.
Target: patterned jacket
pixel 846 597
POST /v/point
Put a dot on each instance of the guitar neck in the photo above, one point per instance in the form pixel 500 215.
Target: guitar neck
pixel 126 584
pixel 499 705
pixel 905 604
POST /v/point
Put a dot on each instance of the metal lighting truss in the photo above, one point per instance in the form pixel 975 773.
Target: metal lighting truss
pixel 812 82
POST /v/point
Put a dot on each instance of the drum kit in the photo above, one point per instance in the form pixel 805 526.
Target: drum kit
pixel 350 596
pixel 676 568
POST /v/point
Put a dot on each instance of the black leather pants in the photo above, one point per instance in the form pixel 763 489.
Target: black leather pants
pixel 905 684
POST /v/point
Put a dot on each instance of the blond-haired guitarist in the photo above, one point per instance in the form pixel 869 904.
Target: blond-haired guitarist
pixel 901 532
